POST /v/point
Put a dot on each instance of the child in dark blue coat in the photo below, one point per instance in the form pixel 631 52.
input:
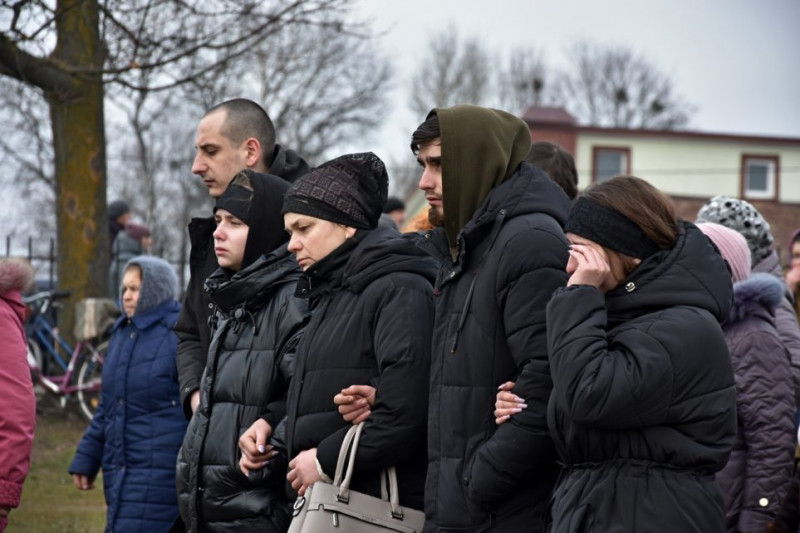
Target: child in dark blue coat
pixel 139 426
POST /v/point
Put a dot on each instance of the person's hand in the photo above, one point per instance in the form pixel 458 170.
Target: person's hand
pixel 195 401
pixel 588 265
pixel 793 278
pixel 256 453
pixel 355 403
pixel 507 403
pixel 303 471
pixel 775 528
pixel 83 482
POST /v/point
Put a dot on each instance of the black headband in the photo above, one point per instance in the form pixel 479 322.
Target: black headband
pixel 610 228
pixel 236 200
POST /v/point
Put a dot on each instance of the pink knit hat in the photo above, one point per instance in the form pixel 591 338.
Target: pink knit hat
pixel 732 246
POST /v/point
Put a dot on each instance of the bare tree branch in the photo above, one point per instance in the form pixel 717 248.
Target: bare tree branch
pixel 455 72
pixel 613 87
pixel 22 66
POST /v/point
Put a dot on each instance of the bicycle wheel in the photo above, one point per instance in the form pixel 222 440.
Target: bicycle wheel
pixel 34 359
pixel 89 380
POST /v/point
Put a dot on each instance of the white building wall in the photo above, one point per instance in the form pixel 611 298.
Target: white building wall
pixel 694 167
pixel 790 177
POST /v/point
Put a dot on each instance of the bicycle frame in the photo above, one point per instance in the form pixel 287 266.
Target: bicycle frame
pixel 43 332
pixel 62 384
pixel 45 338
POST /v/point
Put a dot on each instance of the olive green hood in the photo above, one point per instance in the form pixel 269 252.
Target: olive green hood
pixel 481 148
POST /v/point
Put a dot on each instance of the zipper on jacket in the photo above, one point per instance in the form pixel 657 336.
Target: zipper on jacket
pixel 498 222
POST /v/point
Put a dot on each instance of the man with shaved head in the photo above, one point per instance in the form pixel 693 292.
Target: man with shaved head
pixel 232 136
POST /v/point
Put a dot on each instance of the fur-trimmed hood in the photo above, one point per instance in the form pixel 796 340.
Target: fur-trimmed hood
pixel 15 275
pixel 755 295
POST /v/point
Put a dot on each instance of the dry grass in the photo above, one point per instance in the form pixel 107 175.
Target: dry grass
pixel 50 503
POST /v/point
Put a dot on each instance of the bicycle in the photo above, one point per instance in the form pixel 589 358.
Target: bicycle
pixel 57 373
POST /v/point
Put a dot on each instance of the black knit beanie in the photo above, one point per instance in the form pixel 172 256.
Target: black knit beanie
pixel 349 190
pixel 117 208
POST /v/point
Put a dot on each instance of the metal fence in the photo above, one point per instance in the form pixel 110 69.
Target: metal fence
pixel 42 254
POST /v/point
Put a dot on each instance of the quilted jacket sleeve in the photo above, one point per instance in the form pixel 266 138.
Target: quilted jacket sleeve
pixel 89 455
pixel 192 351
pixel 622 384
pixel 766 410
pixel 526 284
pixel 399 417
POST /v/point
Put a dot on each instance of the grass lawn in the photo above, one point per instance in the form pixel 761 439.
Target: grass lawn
pixel 50 503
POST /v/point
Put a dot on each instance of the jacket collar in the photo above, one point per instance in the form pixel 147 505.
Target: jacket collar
pixel 250 286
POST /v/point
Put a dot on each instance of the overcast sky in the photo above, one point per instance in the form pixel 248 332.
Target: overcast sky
pixel 737 61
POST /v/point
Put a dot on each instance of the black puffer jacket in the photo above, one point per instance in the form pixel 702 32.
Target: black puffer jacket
pixel 258 320
pixel 371 322
pixel 192 327
pixel 490 328
pixel 760 467
pixel 644 408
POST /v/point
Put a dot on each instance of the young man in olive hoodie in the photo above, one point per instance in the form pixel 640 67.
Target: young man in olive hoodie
pixel 502 251
pixel 232 136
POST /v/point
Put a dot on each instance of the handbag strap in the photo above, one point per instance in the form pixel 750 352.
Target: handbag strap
pixel 350 443
pixel 394 493
pixel 346 443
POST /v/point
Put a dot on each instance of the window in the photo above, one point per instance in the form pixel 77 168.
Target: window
pixel 760 177
pixel 610 162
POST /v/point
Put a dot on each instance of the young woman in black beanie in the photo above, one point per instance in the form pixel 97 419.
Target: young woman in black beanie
pixel 370 294
pixel 255 325
pixel 643 411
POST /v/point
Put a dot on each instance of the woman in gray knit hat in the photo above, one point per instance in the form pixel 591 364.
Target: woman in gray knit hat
pixel 139 425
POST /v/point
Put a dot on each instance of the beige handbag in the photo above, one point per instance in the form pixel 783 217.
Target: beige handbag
pixel 334 507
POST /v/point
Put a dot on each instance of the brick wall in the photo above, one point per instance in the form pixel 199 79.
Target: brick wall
pixel 563 137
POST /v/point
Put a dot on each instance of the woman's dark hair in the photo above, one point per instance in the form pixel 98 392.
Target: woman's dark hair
pixel 557 163
pixel 642 203
pixel 426 133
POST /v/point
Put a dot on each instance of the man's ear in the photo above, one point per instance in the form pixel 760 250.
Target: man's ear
pixel 349 231
pixel 253 148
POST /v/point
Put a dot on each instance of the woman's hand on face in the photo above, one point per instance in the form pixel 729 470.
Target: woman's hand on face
pixel 507 403
pixel 355 403
pixel 303 471
pixel 256 453
pixel 587 265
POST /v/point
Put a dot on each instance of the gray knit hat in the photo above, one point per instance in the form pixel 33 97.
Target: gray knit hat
pixel 159 282
pixel 741 216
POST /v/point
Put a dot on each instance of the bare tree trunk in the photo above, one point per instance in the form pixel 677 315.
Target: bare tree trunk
pixel 80 163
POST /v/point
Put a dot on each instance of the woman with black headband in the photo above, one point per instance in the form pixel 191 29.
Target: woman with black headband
pixel 643 411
